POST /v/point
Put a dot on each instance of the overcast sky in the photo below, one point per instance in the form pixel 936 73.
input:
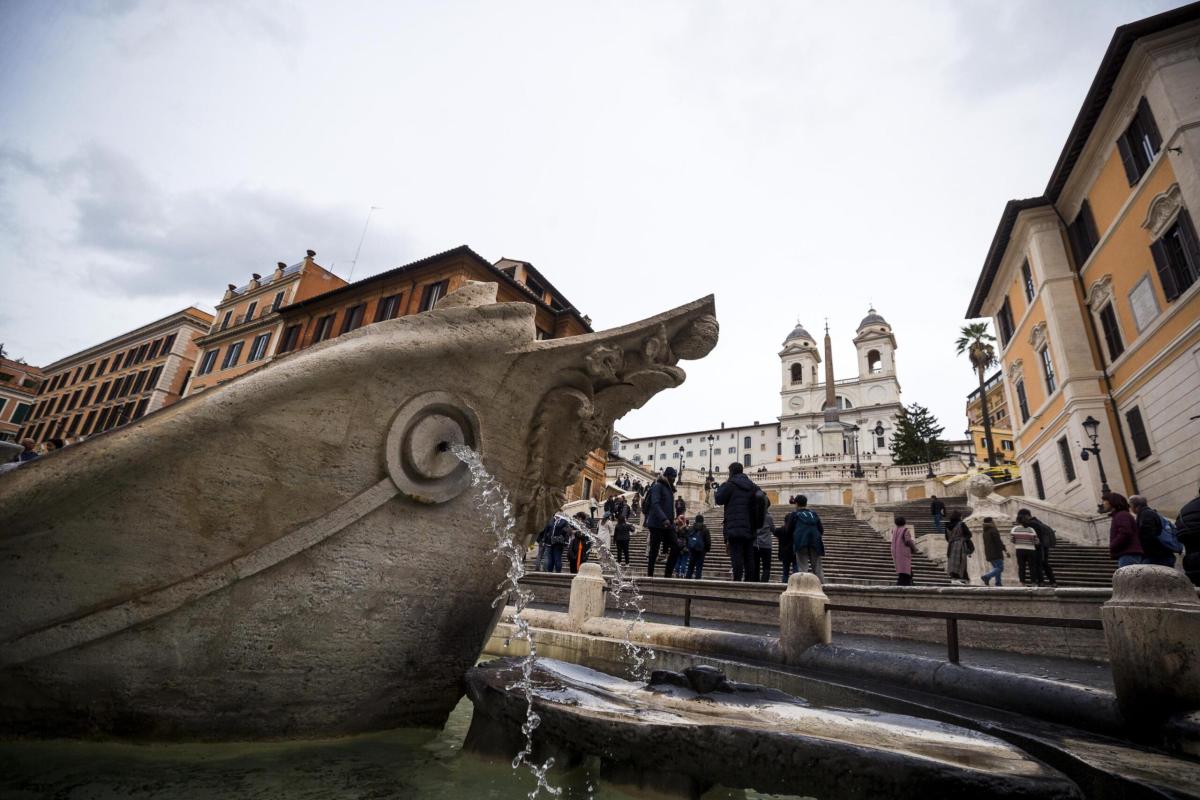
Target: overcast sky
pixel 799 160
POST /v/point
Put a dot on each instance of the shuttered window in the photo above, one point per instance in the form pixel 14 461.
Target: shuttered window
pixel 1137 432
pixel 1027 277
pixel 1022 401
pixel 290 337
pixel 433 292
pixel 324 328
pixel 1082 235
pixel 1112 334
pixel 1037 481
pixel 1048 371
pixel 1004 323
pixel 1140 143
pixel 353 317
pixel 1177 256
pixel 388 308
pixel 1064 452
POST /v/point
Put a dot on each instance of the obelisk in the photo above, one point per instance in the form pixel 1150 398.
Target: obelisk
pixel 832 430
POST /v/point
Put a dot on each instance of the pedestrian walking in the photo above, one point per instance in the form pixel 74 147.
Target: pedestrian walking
pixel 1150 529
pixel 699 542
pixel 938 509
pixel 1029 561
pixel 621 534
pixel 764 543
pixel 1187 528
pixel 993 550
pixel 959 547
pixel 1124 543
pixel 1047 539
pixel 808 537
pixel 659 508
pixel 560 534
pixel 745 507
pixel 903 548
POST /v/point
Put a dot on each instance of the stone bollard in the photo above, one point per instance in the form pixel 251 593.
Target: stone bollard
pixel 1152 627
pixel 587 595
pixel 803 621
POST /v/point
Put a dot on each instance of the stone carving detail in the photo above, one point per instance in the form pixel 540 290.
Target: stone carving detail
pixel 1100 293
pixel 1037 336
pixel 1016 370
pixel 1162 210
pixel 605 361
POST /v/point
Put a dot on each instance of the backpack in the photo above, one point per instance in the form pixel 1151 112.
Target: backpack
pixel 758 509
pixel 695 540
pixel 1168 536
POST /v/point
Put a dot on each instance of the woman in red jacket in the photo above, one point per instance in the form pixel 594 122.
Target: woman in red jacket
pixel 1123 542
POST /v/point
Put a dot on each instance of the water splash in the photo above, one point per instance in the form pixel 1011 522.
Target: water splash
pixel 627 596
pixel 494 503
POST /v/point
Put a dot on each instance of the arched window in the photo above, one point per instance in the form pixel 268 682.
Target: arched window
pixel 797 373
pixel 842 403
pixel 874 362
pixel 746 442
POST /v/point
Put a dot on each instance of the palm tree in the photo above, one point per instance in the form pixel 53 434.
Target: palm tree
pixel 976 343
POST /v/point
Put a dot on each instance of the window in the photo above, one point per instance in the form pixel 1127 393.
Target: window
pixel 703 453
pixel 141 408
pixel 103 391
pixel 259 348
pixel 880 442
pixel 102 368
pixel 1006 444
pixel 140 381
pixel 152 381
pixel 324 328
pixel 689 454
pixel 732 450
pixel 746 460
pixel 874 362
pixel 388 308
pixel 433 292
pixel 1022 401
pixel 168 343
pixel 206 363
pixel 797 373
pixel 983 442
pixel 1082 235
pixel 232 355
pixel 129 357
pixel 688 440
pixel 225 320
pixel 746 442
pixel 762 447
pixel 1037 481
pixel 587 487
pixel 290 337
pixel 534 286
pixel 1140 143
pixel 87 423
pixel 1064 453
pixel 1004 323
pixel 1027 279
pixel 1112 334
pixel 676 441
pixel 353 317
pixel 74 425
pixel 250 311
pixel 153 351
pixel 141 354
pixel 74 400
pixel 1048 371
pixel 87 396
pixel 277 302
pixel 87 373
pixel 20 413
pixel 1137 432
pixel 1177 257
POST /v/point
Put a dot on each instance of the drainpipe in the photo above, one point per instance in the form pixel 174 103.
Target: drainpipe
pixel 1091 321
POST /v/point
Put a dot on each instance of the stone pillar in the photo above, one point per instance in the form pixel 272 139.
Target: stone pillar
pixel 587 595
pixel 1152 627
pixel 803 620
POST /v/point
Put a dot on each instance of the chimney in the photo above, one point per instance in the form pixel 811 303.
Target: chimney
pixel 279 268
pixel 256 276
pixel 722 426
pixel 311 253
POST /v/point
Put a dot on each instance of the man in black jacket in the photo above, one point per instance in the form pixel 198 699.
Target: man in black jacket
pixel 938 510
pixel 1187 528
pixel 659 515
pixel 740 496
pixel 1046 541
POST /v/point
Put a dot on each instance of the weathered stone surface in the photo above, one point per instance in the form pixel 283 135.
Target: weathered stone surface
pixel 803 621
pixel 758 738
pixel 295 553
pixel 587 595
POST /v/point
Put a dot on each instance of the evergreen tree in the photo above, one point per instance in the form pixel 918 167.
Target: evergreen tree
pixel 915 427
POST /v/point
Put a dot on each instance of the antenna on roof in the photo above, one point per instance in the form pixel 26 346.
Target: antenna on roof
pixel 358 249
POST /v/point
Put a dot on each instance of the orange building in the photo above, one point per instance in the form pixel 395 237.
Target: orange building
pixel 246 328
pixel 19 383
pixel 118 380
pixel 1094 286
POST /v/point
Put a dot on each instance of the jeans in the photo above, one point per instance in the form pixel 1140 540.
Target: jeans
pixel 696 565
pixel 997 571
pixel 1161 561
pixel 1129 561
pixel 788 565
pixel 1044 560
pixel 658 540
pixel 623 552
pixel 741 555
pixel 809 560
pixel 1029 562
pixel 672 559
pixel 554 558
pixel 937 523
pixel 762 564
pixel 681 563
pixel 541 557
pixel 904 579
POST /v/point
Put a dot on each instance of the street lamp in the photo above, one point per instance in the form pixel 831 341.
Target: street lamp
pixel 971 449
pixel 929 458
pixel 878 433
pixel 711 439
pixel 681 462
pixel 858 473
pixel 1091 426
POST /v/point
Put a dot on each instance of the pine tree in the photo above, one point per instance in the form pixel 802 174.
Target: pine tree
pixel 915 426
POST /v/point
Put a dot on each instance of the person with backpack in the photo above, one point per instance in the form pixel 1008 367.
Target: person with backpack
pixel 764 543
pixel 787 550
pixel 993 550
pixel 659 509
pixel 1029 559
pixel 745 508
pixel 1158 541
pixel 808 537
pixel 1046 542
pixel 558 533
pixel 1187 527
pixel 677 560
pixel 903 548
pixel 959 547
pixel 699 542
pixel 621 535
pixel 1124 543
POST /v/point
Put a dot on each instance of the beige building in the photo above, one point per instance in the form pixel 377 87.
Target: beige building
pixel 1094 286
pixel 18 390
pixel 1002 435
pixel 118 380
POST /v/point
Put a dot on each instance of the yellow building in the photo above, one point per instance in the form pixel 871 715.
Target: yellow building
pixel 1093 288
pixel 1002 436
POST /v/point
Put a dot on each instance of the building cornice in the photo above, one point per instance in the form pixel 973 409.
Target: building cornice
pixel 197 318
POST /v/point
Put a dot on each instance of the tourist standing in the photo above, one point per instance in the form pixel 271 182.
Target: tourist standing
pixel 1029 564
pixel 604 536
pixel 959 547
pixel 677 557
pixel 1187 526
pixel 621 534
pixel 743 503
pixel 1150 528
pixel 637 505
pixel 680 506
pixel 808 537
pixel 659 508
pixel 938 509
pixel 699 542
pixel 993 550
pixel 577 551
pixel 903 548
pixel 787 551
pixel 560 534
pixel 610 505
pixel 764 543
pixel 1124 543
pixel 1046 542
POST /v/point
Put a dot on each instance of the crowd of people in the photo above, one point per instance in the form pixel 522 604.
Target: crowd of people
pixel 31 451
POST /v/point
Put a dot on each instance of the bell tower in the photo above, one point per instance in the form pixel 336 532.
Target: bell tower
pixel 876 347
